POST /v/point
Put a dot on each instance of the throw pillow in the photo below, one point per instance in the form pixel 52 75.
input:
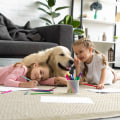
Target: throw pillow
pixel 4 34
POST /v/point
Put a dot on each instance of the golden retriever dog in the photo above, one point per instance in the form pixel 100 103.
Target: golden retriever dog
pixel 58 58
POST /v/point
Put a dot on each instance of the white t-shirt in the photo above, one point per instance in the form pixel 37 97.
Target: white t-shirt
pixel 94 71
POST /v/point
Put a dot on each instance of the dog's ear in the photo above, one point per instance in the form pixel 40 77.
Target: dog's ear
pixel 51 69
pixel 47 61
pixel 49 58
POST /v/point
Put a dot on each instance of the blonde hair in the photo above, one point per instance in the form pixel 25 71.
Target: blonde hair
pixel 30 67
pixel 87 43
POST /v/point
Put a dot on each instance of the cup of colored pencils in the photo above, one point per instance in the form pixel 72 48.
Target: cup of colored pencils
pixel 73 83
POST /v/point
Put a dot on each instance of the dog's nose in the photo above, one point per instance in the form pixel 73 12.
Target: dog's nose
pixel 71 62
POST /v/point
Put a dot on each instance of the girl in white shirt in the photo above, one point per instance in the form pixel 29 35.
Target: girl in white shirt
pixel 92 64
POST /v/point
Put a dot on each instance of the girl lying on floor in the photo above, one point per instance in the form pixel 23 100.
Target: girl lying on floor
pixel 13 75
pixel 92 64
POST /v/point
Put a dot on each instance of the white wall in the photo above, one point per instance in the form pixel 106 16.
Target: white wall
pixel 21 11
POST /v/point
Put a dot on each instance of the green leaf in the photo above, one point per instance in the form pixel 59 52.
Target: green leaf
pixel 68 19
pixel 75 23
pixel 45 19
pixel 60 22
pixel 54 15
pixel 38 2
pixel 44 11
pixel 115 37
pixel 60 8
pixel 51 3
pixel 48 24
pixel 78 31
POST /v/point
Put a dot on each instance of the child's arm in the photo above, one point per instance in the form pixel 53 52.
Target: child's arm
pixel 11 79
pixel 102 79
pixel 18 71
pixel 77 68
pixel 77 65
pixel 59 81
pixel 30 84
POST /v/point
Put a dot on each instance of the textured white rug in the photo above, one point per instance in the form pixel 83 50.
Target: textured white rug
pixel 17 106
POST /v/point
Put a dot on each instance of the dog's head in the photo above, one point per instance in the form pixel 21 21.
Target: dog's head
pixel 61 58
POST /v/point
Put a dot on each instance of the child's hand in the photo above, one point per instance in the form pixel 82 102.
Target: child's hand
pixel 100 86
pixel 60 81
pixel 76 62
pixel 81 81
pixel 19 64
pixel 33 83
pixel 30 84
pixel 77 65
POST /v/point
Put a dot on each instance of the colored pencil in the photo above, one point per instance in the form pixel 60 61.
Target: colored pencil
pixel 79 78
pixel 76 78
pixel 26 92
pixel 72 77
pixel 53 88
pixel 89 85
pixel 41 93
pixel 80 74
pixel 26 78
pixel 6 91
pixel 67 77
pixel 42 90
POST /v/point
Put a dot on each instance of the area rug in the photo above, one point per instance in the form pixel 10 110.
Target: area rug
pixel 17 106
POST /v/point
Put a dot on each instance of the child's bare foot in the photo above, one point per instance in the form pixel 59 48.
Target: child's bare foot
pixel 116 76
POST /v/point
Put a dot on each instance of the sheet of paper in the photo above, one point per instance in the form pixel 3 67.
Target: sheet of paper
pixel 62 99
pixel 105 90
pixel 2 88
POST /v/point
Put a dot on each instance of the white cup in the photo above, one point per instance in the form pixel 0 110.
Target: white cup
pixel 72 86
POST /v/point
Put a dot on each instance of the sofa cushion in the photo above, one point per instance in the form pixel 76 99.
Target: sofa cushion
pixel 21 48
pixel 4 34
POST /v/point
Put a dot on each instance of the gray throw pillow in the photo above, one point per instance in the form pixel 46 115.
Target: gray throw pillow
pixel 4 34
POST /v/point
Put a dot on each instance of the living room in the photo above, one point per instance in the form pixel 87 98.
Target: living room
pixel 101 27
pixel 29 11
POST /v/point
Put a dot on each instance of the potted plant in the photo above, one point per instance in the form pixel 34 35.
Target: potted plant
pixel 47 8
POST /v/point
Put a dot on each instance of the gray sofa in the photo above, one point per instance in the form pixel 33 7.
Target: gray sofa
pixel 53 35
